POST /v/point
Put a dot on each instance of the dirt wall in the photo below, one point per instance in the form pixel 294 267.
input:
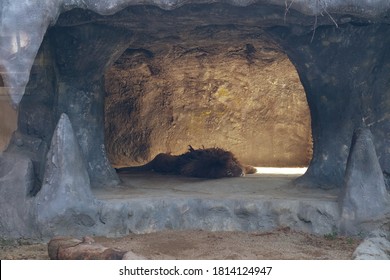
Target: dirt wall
pixel 239 94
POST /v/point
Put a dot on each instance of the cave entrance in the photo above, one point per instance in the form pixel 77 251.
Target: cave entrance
pixel 227 86
pixel 186 77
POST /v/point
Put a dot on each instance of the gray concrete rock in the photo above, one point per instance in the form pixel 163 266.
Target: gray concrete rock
pixel 65 203
pixel 364 199
pixel 33 148
pixel 17 19
pixel 374 247
pixel 150 202
pixel 16 183
pixel 81 91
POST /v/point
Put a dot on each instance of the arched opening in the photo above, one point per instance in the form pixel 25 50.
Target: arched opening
pixel 216 85
pixel 224 85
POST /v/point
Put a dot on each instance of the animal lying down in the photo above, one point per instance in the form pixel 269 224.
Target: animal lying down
pixel 201 163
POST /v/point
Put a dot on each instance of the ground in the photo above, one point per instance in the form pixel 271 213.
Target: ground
pixel 278 244
pixel 282 243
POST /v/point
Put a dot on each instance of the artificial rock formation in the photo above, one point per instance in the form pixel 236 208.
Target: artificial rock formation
pixel 65 198
pixel 22 34
pixel 16 183
pixel 364 200
pixel 376 246
pixel 344 87
pixel 54 62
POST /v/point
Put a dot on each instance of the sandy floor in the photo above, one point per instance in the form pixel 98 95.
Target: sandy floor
pixel 279 244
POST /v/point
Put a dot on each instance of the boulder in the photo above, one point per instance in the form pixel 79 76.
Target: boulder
pixel 69 248
pixel 375 247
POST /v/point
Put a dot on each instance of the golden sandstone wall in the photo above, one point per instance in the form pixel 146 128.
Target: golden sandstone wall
pixel 241 95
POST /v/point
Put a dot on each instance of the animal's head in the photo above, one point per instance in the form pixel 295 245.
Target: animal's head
pixel 227 166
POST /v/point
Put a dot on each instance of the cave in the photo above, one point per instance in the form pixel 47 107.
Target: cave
pixel 94 63
pixel 210 86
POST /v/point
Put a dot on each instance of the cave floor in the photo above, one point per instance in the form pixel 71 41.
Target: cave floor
pixel 140 185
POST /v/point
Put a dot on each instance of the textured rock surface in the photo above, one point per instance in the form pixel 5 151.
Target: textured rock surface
pixel 374 247
pixel 79 96
pixel 223 86
pixel 364 199
pixel 65 202
pixel 82 54
pixel 151 202
pixel 16 181
pixel 22 35
pixel 150 215
pixel 361 99
pixel 333 115
pixel 345 88
pixel 36 114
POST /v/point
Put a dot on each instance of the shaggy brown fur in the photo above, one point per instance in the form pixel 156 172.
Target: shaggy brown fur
pixel 202 163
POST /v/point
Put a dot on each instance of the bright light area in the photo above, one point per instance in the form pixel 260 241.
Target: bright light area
pixel 281 170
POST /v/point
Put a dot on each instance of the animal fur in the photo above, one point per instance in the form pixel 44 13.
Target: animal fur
pixel 201 163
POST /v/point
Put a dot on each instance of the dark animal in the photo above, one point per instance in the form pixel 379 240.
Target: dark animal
pixel 201 163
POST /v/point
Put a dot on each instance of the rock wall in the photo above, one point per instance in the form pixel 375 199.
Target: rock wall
pixel 224 86
pixel 17 23
pixel 344 70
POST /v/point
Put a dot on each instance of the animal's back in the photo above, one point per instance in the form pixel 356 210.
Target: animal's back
pixel 164 163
